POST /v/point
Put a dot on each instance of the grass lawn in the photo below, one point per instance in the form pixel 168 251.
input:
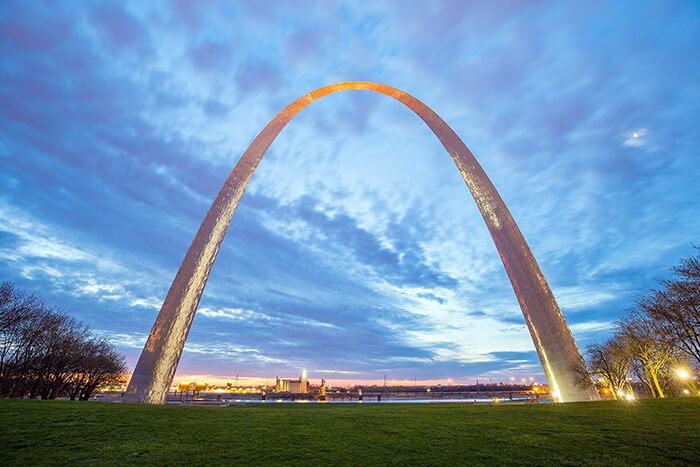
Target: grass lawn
pixel 657 432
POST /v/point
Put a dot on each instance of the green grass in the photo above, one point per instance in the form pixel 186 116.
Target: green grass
pixel 649 432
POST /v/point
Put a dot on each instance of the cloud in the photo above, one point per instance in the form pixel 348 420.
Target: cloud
pixel 43 33
pixel 255 76
pixel 120 29
pixel 356 247
pixel 233 314
pixel 208 56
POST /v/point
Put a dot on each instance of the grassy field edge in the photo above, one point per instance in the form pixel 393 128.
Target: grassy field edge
pixel 598 433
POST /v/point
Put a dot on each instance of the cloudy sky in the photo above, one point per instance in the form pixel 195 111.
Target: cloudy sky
pixel 357 250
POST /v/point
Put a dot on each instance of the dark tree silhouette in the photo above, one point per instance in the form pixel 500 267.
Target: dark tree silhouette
pixel 45 353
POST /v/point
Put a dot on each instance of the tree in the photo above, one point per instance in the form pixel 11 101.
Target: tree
pixel 21 322
pixel 677 305
pixel 610 363
pixel 58 355
pixel 674 310
pixel 648 348
pixel 45 353
pixel 658 339
pixel 103 366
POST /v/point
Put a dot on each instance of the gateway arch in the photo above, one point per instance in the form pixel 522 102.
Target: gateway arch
pixel 555 345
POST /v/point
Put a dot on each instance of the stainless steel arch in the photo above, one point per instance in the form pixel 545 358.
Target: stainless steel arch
pixel 555 345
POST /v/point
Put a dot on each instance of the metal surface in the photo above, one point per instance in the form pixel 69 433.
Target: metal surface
pixel 553 340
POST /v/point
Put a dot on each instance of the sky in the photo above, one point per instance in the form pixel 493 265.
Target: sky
pixel 357 251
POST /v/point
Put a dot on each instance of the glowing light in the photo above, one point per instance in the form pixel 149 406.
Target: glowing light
pixel 683 373
pixel 685 391
pixel 635 134
pixel 630 397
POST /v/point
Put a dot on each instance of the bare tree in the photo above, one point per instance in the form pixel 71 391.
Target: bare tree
pixel 658 340
pixel 581 373
pixel 610 363
pixel 677 305
pixel 45 353
pixel 22 318
pixel 60 355
pixel 103 366
pixel 649 349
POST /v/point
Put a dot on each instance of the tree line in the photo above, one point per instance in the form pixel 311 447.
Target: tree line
pixel 46 353
pixel 656 342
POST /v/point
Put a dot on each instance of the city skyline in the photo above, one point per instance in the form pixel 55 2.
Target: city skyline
pixel 244 381
pixel 119 125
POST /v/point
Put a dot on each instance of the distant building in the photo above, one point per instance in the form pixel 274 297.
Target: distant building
pixel 295 386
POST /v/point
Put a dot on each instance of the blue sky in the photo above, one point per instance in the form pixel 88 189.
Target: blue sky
pixel 357 250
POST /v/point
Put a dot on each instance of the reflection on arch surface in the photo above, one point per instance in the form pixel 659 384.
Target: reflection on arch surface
pixel 555 345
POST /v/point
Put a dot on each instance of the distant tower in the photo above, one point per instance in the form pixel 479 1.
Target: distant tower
pixel 304 383
pixel 555 345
